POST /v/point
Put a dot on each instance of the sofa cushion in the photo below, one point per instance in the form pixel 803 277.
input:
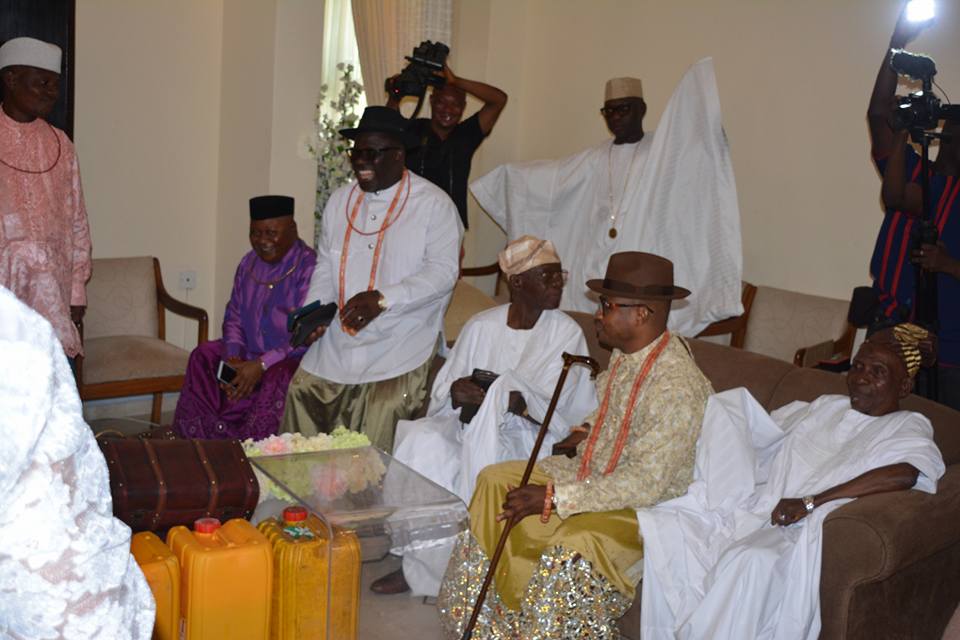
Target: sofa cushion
pixel 946 425
pixel 131 357
pixel 466 302
pixel 727 368
pixel 806 384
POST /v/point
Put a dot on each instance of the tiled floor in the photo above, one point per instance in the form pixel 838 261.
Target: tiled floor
pixel 398 616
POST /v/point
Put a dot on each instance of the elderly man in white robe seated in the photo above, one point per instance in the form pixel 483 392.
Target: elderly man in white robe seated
pixel 468 426
pixel 738 556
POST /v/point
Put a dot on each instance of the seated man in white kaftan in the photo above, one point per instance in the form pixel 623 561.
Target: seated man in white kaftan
pixel 522 342
pixel 738 556
pixel 670 192
pixel 65 564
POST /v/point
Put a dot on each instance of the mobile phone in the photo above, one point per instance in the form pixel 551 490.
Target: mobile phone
pixel 226 373
pixel 483 378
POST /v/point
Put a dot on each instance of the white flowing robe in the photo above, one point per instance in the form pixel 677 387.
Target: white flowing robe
pixel 65 564
pixel 450 453
pixel 714 566
pixel 674 195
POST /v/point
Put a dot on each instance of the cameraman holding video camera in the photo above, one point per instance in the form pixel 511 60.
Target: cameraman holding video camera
pixel 447 145
pixel 899 250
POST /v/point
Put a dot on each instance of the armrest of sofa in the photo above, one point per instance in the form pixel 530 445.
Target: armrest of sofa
pixel 872 538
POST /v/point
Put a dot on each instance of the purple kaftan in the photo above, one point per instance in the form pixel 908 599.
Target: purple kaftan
pixel 254 325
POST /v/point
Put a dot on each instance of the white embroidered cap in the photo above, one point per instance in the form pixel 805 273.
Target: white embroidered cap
pixel 30 52
pixel 525 253
pixel 623 88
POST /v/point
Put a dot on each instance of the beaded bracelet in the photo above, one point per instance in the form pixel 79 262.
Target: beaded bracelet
pixel 547 504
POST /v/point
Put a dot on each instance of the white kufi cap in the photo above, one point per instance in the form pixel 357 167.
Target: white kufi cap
pixel 30 52
pixel 623 88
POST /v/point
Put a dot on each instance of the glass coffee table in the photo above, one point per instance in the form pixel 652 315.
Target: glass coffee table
pixel 388 505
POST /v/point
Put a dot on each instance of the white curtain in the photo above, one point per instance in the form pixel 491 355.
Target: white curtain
pixel 388 30
pixel 339 45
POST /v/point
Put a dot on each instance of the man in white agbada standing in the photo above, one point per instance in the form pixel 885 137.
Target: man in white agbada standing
pixel 669 192
pixel 522 343
pixel 738 556
pixel 65 564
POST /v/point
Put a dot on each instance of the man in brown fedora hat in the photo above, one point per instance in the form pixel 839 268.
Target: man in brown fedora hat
pixel 572 571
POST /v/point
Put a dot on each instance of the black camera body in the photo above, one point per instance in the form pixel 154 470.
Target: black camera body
pixel 921 110
pixel 427 58
pixel 918 110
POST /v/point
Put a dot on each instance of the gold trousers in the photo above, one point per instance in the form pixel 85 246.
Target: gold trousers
pixel 315 405
pixel 609 540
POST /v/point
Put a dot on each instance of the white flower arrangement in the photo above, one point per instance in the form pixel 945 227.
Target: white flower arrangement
pixel 330 148
pixel 327 482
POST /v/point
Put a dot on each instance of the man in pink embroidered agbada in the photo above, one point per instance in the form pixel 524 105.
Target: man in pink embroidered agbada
pixel 44 234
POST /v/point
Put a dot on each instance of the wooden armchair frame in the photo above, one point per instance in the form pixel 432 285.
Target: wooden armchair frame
pixel 142 386
pixel 737 325
pixel 835 350
pixel 485 270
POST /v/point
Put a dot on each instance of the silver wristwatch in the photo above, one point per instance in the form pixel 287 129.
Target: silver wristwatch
pixel 808 503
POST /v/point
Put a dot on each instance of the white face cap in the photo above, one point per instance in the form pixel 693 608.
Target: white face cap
pixel 30 52
pixel 623 88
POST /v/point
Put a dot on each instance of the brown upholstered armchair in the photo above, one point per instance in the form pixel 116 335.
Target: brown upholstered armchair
pixel 125 350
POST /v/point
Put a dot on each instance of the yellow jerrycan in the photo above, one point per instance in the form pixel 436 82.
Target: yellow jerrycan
pixel 226 580
pixel 162 571
pixel 302 555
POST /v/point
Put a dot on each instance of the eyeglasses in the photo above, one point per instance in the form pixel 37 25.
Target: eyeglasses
pixel 370 153
pixel 618 109
pixel 548 277
pixel 606 306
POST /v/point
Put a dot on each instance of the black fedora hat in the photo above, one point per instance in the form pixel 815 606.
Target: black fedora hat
pixel 638 275
pixel 382 120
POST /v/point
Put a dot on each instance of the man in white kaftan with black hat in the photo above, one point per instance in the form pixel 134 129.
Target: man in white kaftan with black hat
pixel 669 192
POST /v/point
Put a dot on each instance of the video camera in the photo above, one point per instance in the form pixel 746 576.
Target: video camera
pixel 427 58
pixel 921 110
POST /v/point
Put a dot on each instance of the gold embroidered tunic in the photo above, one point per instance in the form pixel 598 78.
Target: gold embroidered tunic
pixel 576 574
pixel 657 461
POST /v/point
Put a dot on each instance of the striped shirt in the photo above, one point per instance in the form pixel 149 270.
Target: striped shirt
pixel 893 273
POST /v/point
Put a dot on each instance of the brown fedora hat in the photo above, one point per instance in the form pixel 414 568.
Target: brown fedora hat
pixel 643 276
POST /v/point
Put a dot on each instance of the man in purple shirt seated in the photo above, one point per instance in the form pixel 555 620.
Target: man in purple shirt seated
pixel 271 281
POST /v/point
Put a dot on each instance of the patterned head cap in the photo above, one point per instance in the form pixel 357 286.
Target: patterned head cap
pixel 525 253
pixel 915 345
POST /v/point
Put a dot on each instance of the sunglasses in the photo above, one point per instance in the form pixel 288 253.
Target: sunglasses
pixel 606 305
pixel 370 153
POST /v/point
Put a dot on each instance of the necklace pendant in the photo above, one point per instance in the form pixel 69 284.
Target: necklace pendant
pixel 270 286
pixel 612 233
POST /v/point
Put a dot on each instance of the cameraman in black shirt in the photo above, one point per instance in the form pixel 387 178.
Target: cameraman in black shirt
pixel 447 144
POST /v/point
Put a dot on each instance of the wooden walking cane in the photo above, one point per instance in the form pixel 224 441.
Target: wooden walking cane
pixel 568 360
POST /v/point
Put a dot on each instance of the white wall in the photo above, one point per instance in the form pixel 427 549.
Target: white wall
pixel 794 80
pixel 148 132
pixel 185 110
